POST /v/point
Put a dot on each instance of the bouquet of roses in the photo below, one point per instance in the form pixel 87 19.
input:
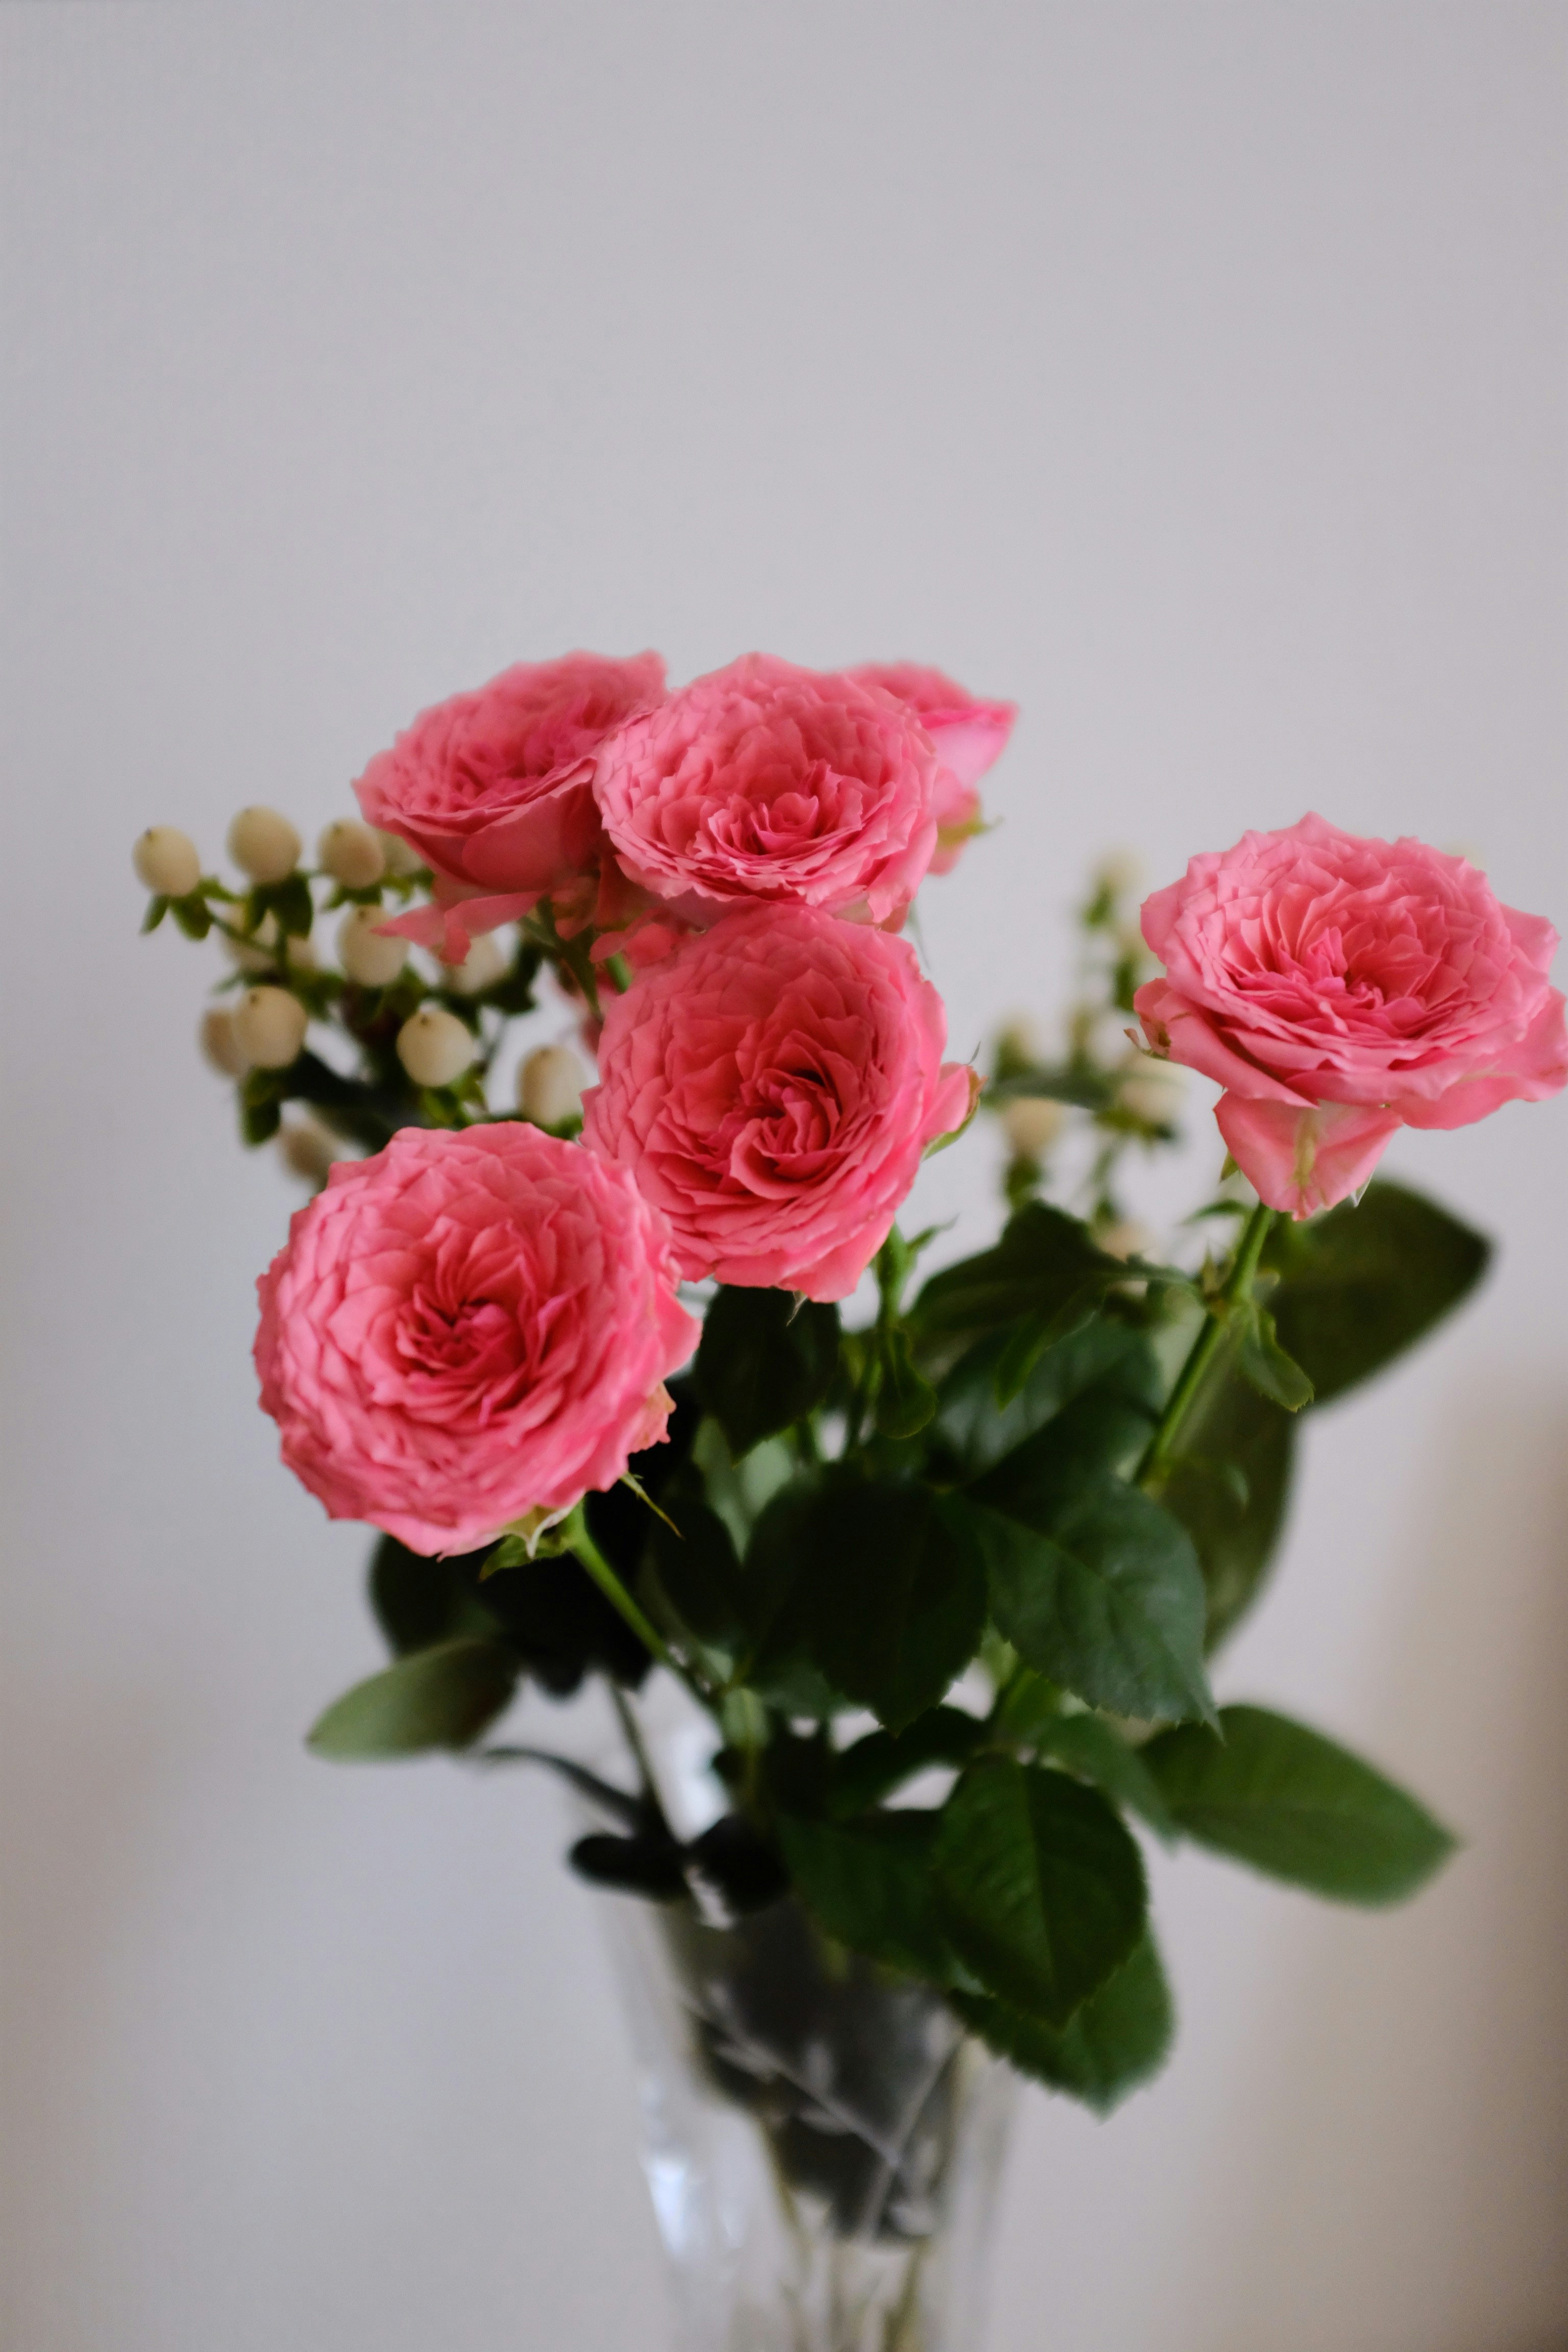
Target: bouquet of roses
pixel 582 1361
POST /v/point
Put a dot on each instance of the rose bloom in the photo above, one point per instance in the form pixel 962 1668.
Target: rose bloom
pixel 772 1086
pixel 494 788
pixel 763 781
pixel 969 736
pixel 467 1327
pixel 1340 989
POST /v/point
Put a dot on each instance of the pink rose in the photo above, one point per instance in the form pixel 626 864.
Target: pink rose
pixel 763 781
pixel 466 1327
pixel 772 1086
pixel 1340 989
pixel 969 736
pixel 494 788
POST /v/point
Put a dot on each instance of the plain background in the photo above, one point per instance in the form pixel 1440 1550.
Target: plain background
pixel 1195 375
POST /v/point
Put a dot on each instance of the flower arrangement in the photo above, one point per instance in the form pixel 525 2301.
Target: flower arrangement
pixel 945 1582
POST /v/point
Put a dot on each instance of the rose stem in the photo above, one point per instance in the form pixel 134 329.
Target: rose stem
pixel 1189 1380
pixel 581 1543
pixel 634 1739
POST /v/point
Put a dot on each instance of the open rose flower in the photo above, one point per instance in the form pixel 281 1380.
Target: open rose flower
pixel 466 1329
pixel 969 736
pixel 763 781
pixel 494 789
pixel 772 1085
pixel 1340 989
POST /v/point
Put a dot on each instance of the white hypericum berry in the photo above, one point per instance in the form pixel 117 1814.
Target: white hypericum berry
pixel 1124 1237
pixel 435 1047
pixel 1032 1125
pixel 369 959
pixel 269 1027
pixel 166 860
pixel 400 858
pixel 220 1042
pixel 1151 1093
pixel 481 968
pixel 550 1085
pixel 263 845
pixel 307 1150
pixel 351 852
pixel 1118 873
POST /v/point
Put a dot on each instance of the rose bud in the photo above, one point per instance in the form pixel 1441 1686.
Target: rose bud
pixel 269 1027
pixel 1032 1125
pixel 550 1083
pixel 1123 1238
pixel 435 1047
pixel 263 845
pixel 368 956
pixel 351 852
pixel 481 968
pixel 220 1042
pixel 400 858
pixel 167 861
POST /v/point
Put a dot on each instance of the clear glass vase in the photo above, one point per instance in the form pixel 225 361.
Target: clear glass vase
pixel 822 2141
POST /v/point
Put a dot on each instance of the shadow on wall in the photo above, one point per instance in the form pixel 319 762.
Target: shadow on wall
pixel 1416 2082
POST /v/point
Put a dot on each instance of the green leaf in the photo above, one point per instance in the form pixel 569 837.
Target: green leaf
pixel 1103 1593
pixel 975 1430
pixel 1119 2038
pixel 1101 1432
pixel 905 1401
pixel 884 1589
pixel 1361 1283
pixel 868 1882
pixel 767 1358
pixel 697 1566
pixel 441 1697
pixel 157 908
pixel 1263 1362
pixel 647 1863
pixel 1095 1751
pixel 192 915
pixel 1045 1267
pixel 419 1602
pixel 1269 1792
pixel 883 1761
pixel 1230 1487
pixel 1039 1887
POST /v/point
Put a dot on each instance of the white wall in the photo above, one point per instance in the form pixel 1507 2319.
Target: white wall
pixel 1195 375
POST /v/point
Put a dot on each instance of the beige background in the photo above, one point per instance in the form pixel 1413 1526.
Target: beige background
pixel 1195 374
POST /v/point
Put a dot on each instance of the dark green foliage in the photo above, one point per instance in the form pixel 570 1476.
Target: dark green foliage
pixel 883 1761
pixel 694 1561
pixel 1120 2037
pixel 1230 1487
pixel 440 1698
pixel 1045 1270
pixel 1095 1751
pixel 882 1589
pixel 870 1884
pixel 1039 1887
pixel 562 1626
pixel 1361 1284
pixel 648 1863
pixel 766 1359
pixel 1269 1792
pixel 1105 1597
pixel 419 1601
pixel 973 1429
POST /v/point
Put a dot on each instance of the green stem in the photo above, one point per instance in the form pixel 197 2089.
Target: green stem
pixel 581 1543
pixel 1189 1380
pixel 632 1732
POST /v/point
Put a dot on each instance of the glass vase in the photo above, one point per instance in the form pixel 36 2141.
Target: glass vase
pixel 822 2141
